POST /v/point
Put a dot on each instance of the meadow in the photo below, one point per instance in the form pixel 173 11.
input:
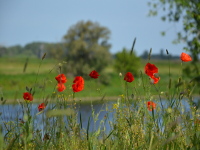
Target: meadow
pixel 14 79
pixel 141 115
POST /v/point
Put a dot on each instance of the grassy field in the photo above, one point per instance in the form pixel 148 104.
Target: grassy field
pixel 13 78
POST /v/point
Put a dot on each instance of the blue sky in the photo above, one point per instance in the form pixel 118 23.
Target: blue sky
pixel 26 21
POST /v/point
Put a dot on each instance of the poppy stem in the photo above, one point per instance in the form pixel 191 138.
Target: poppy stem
pixel 37 75
pixel 156 124
pixel 126 91
pixel 73 95
pixel 169 70
pixel 142 81
pixel 169 63
pixel 43 125
pixel 153 116
pixel 159 96
pixel 181 72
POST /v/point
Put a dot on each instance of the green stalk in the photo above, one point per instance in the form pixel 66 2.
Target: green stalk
pixel 159 97
pixel 88 127
pixel 37 75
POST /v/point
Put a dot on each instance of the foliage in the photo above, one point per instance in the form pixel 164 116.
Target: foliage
pixel 34 49
pixel 54 50
pixel 11 51
pixel 126 62
pixel 87 48
pixel 187 12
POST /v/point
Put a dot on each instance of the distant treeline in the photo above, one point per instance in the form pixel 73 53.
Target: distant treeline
pixel 35 49
pixel 161 55
pixel 56 50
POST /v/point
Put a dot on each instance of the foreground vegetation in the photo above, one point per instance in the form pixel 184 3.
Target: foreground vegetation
pixel 145 115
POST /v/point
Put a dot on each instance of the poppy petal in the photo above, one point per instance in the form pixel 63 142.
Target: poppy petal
pixel 185 57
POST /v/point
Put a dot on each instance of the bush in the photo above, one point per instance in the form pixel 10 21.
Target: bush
pixel 126 62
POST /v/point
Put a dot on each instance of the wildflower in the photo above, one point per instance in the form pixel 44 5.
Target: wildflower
pixel 94 74
pixel 150 69
pixel 154 79
pixel 128 77
pixel 151 105
pixel 115 106
pixel 60 87
pixel 185 57
pixel 122 96
pixel 61 78
pixel 28 97
pixel 41 107
pixel 169 110
pixel 78 84
pixel 120 74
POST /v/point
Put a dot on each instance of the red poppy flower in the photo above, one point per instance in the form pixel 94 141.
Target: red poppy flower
pixel 78 84
pixel 28 96
pixel 154 79
pixel 41 107
pixel 128 77
pixel 185 57
pixel 151 105
pixel 61 78
pixel 61 87
pixel 150 69
pixel 94 74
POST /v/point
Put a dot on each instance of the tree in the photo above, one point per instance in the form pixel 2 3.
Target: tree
pixel 54 50
pixel 145 54
pixel 14 50
pixel 35 48
pixel 2 51
pixel 126 62
pixel 187 11
pixel 87 48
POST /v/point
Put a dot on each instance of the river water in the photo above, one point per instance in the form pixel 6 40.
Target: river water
pixel 101 110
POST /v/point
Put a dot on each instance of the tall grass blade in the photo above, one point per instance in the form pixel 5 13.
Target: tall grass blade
pixel 197 79
pixel 27 89
pixel 133 46
pixel 80 120
pixel 25 65
pixel 43 56
pixel 149 56
pixel 170 83
pixel 167 52
pixel 109 135
pixel 103 97
pixel 128 122
pixel 88 127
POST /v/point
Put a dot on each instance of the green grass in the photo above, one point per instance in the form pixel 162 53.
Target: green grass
pixel 15 65
pixel 13 81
